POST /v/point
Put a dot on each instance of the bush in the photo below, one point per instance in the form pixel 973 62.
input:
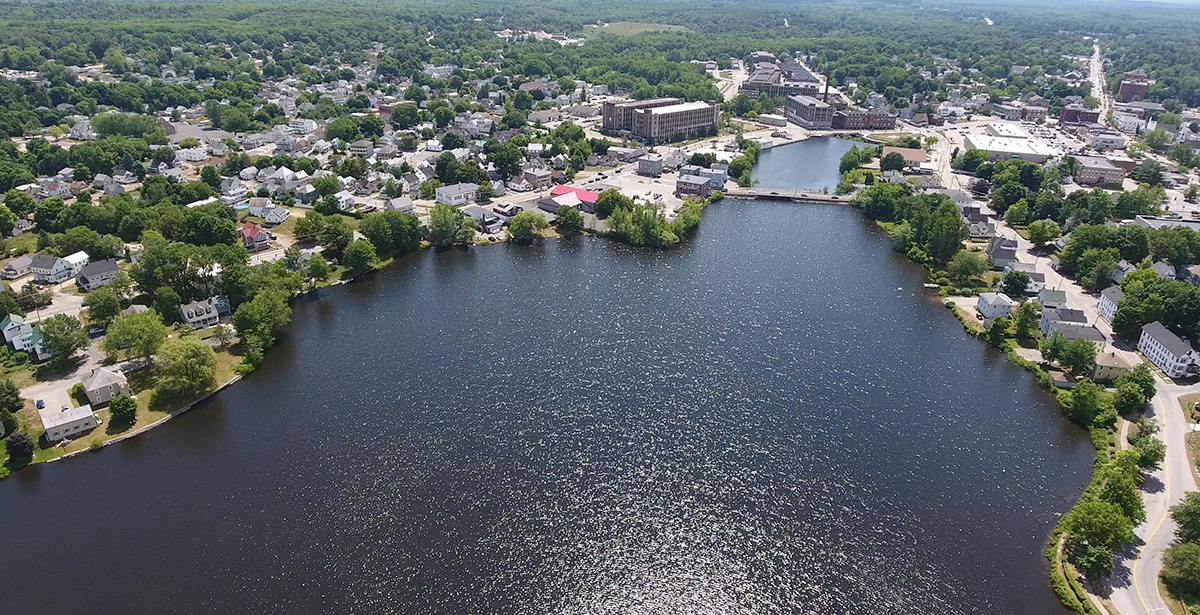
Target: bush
pixel 20 446
pixel 1181 570
pixel 123 410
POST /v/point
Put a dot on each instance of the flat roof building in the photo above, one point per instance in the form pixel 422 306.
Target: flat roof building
pixel 618 116
pixel 1003 148
pixel 808 112
pixel 676 122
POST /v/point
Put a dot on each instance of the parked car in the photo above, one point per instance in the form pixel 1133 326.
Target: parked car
pixel 40 404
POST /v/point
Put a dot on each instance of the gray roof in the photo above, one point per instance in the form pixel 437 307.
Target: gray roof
pixel 99 267
pixel 1113 293
pixel 102 377
pixel 1077 331
pixel 1173 343
pixel 458 189
pixel 1065 315
pixel 20 262
pixel 42 261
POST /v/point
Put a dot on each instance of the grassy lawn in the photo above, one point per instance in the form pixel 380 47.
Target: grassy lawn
pixel 1189 403
pixel 142 383
pixel 288 227
pixel 633 28
pixel 28 241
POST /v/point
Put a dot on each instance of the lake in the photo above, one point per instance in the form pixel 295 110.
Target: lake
pixel 773 418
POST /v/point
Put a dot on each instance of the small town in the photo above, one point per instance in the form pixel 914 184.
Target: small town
pixel 165 206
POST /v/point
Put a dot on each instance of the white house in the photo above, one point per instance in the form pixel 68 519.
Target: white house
pixel 1109 299
pixel 192 154
pixel 97 274
pixel 50 269
pixel 1037 279
pixel 19 266
pixel 103 384
pixel 994 305
pixel 201 314
pixel 1053 299
pixel 66 422
pixel 345 200
pixel 17 332
pixel 1172 354
pixel 457 194
pixel 76 262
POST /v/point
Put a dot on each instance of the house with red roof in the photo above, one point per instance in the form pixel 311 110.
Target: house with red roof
pixel 569 196
pixel 255 237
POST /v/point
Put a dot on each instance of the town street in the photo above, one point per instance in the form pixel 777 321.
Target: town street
pixel 1136 591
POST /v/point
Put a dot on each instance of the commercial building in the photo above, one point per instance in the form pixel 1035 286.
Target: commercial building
pixel 1078 114
pixel 617 117
pixel 1097 170
pixel 808 112
pixel 693 185
pixel 650 165
pixel 676 122
pixel 1132 90
pixel 1002 148
pixel 769 79
pixel 859 119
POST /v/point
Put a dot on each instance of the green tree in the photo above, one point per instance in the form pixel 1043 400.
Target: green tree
pixel 20 446
pixel 966 265
pixel 1018 213
pixel 1096 522
pixel 360 256
pixel 570 222
pixel 336 235
pixel 139 333
pixel 10 397
pixel 1079 357
pixel 1088 404
pixel 209 175
pixel 1181 570
pixel 1129 398
pixel 1042 232
pixel 166 303
pixel 525 225
pixel 63 336
pixel 946 231
pixel 1186 515
pixel 998 331
pixel 1026 320
pixel 449 226
pixel 318 269
pixel 892 162
pixel 123 410
pixel 1143 378
pixel 609 200
pixel 185 368
pixel 263 316
pixel 1144 439
pixel 103 305
pixel 1015 283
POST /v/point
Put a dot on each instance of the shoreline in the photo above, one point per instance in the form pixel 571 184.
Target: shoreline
pixel 1066 586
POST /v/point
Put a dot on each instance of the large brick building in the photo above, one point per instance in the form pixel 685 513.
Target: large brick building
pixel 1078 114
pixel 859 119
pixel 1133 90
pixel 618 116
pixel 675 122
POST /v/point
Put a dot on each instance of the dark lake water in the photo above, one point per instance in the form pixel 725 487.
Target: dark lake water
pixel 811 164
pixel 758 422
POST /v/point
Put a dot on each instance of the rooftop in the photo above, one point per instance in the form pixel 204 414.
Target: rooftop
pixel 57 417
pixel 1173 343
pixel 692 106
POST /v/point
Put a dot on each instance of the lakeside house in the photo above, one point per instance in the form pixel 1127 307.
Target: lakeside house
pixel 1071 323
pixel 201 313
pixel 994 305
pixel 1169 352
pixel 66 422
pixel 103 384
pixel 1111 365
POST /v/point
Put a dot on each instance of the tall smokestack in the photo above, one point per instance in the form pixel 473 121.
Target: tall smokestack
pixel 825 98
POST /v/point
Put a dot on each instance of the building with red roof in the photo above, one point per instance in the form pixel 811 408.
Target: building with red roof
pixel 254 236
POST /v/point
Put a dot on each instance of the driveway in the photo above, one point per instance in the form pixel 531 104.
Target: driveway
pixel 56 393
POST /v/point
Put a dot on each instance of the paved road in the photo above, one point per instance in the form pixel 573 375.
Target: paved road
pixel 1136 592
pixel 1099 87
